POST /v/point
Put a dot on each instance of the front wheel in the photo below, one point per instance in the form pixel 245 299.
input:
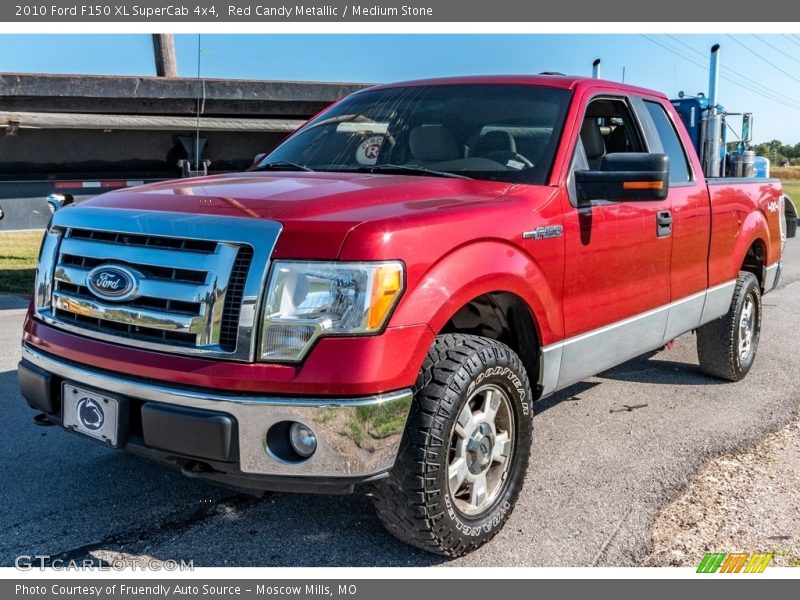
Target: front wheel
pixel 464 453
pixel 727 347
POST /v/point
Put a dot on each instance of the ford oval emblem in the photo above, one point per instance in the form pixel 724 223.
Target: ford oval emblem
pixel 112 282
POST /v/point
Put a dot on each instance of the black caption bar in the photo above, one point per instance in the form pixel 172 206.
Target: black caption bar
pixel 396 589
pixel 439 11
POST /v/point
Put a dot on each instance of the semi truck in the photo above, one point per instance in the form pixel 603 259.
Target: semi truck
pixel 707 123
pixel 379 302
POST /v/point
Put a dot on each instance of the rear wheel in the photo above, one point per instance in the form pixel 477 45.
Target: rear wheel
pixel 790 215
pixel 465 451
pixel 727 347
pixel 791 225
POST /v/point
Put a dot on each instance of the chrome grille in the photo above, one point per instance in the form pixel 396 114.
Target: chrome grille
pixel 134 332
pixel 145 241
pixel 198 278
pixel 229 328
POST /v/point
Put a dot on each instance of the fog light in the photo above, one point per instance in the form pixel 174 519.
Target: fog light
pixel 303 440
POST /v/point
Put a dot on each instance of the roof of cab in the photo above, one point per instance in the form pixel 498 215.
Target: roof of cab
pixel 570 82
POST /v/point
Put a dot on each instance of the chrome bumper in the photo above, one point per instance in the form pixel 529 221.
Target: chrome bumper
pixel 356 437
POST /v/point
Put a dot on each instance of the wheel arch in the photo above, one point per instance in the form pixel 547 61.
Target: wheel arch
pixel 507 318
pixel 490 288
pixel 754 248
pixel 755 260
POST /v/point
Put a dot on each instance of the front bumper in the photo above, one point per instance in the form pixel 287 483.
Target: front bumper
pixel 222 435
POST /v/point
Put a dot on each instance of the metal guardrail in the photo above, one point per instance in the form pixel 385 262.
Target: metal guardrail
pixel 43 120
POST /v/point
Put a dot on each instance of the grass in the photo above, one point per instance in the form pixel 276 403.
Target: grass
pixel 376 422
pixel 383 419
pixel 786 173
pixel 19 252
pixel 790 180
pixel 792 189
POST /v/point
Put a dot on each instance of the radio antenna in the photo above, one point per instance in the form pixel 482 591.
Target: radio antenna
pixel 201 100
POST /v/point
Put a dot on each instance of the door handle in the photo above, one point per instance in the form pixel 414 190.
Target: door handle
pixel 663 223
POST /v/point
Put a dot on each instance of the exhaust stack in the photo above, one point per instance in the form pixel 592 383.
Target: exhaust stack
pixel 713 77
pixel 596 69
pixel 712 122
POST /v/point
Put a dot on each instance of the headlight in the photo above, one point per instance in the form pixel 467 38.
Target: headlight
pixel 308 300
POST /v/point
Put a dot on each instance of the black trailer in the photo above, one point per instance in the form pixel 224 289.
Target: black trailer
pixel 82 135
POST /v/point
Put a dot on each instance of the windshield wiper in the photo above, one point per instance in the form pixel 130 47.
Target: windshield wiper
pixel 411 170
pixel 281 165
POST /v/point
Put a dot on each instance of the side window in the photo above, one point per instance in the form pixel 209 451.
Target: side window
pixel 678 163
pixel 608 127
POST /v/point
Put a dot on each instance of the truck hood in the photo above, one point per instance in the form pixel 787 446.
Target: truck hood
pixel 317 210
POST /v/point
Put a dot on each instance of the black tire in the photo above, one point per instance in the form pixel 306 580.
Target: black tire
pixel 415 502
pixel 791 226
pixel 790 215
pixel 718 342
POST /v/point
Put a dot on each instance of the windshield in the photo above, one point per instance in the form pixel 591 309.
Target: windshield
pixel 496 132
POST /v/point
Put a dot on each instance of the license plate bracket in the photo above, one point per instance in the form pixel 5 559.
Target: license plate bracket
pixel 94 413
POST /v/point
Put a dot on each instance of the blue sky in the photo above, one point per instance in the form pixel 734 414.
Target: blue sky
pixel 769 65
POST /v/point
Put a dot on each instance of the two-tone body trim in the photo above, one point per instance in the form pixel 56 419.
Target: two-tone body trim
pixel 581 356
pixel 772 275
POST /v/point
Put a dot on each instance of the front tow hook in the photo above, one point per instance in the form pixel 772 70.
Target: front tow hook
pixel 43 420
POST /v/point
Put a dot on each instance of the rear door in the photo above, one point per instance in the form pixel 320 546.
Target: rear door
pixel 617 264
pixel 691 218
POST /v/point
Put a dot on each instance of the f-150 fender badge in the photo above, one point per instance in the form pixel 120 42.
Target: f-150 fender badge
pixel 541 233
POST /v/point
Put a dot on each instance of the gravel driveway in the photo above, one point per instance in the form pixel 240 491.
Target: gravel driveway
pixel 746 502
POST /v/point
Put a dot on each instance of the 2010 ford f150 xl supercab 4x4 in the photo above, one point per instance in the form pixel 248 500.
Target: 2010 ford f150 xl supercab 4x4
pixel 383 297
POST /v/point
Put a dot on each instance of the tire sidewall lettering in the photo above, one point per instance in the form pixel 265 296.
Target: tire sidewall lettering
pixel 455 365
pixel 475 530
pixel 498 514
pixel 508 375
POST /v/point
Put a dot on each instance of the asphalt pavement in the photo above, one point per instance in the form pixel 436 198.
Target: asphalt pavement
pixel 600 473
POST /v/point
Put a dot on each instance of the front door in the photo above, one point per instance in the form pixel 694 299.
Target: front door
pixel 617 263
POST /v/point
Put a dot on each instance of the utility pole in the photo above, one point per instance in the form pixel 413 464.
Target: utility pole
pixel 164 51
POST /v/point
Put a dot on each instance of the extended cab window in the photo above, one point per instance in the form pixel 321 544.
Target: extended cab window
pixel 678 163
pixel 496 132
pixel 608 127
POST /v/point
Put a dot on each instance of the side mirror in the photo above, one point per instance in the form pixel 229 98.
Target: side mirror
pixel 747 128
pixel 625 176
pixel 258 158
pixel 58 201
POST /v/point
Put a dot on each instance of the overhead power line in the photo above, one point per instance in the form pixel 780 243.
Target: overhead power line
pixel 790 39
pixel 745 81
pixel 776 48
pixel 769 62
pixel 741 81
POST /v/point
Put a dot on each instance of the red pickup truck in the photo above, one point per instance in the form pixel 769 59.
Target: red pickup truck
pixel 382 299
